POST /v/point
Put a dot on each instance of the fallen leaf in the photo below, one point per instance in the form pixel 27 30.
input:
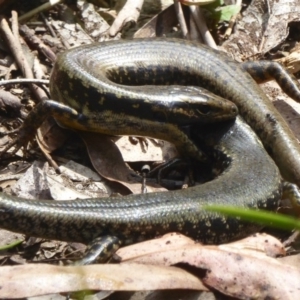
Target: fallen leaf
pixel 234 269
pixel 22 281
pixel 108 161
pixel 265 25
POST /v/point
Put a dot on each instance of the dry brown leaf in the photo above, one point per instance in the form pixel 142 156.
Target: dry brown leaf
pixel 234 269
pixel 159 25
pixel 256 245
pixel 167 242
pixel 108 161
pixel 154 151
pixel 50 136
pixel 248 277
pixel 263 27
pixel 287 107
pixel 75 181
pixel 33 185
pixel 291 62
pixel 94 24
pixel 72 34
pixel 291 260
pixel 22 281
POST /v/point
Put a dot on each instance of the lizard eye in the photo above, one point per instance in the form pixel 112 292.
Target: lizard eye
pixel 204 110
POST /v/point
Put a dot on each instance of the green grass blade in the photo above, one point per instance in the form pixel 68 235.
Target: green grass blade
pixel 258 216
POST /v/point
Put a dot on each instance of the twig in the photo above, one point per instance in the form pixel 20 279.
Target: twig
pixel 17 51
pixel 199 20
pixel 15 25
pixel 181 20
pixel 25 81
pixel 232 20
pixel 291 239
pixel 194 32
pixel 48 25
pixel 30 37
pixel 39 9
pixel 40 82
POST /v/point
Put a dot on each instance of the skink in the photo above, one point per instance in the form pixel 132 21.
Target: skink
pixel 251 179
pixel 137 217
pixel 162 61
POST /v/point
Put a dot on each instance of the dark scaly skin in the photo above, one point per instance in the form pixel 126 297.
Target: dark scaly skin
pixel 142 216
pixel 262 71
pixel 151 111
pixel 137 217
pixel 86 79
pixel 112 122
pixel 188 63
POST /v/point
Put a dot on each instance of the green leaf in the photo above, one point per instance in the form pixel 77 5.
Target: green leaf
pixel 224 13
pixel 212 6
pixel 258 216
pixel 10 246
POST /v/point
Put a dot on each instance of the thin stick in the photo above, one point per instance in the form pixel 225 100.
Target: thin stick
pixel 22 63
pixel 24 80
